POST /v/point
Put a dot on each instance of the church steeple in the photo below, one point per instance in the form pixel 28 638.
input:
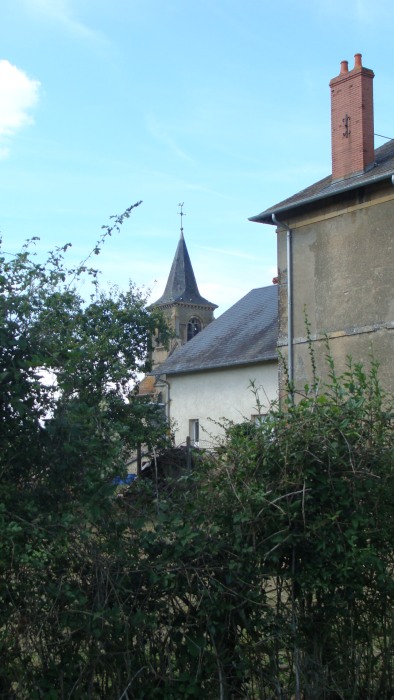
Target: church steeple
pixel 181 285
pixel 186 310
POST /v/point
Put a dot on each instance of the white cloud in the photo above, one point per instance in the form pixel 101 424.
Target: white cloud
pixel 18 95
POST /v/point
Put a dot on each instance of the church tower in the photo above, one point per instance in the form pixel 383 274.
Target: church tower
pixel 187 312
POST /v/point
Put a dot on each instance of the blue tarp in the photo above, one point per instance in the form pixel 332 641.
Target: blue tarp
pixel 121 481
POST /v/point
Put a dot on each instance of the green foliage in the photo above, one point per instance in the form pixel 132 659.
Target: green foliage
pixel 272 567
pixel 266 572
pixel 69 418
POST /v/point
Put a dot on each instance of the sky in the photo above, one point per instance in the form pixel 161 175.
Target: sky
pixel 223 105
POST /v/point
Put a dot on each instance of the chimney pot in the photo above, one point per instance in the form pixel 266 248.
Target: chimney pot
pixel 344 66
pixel 357 60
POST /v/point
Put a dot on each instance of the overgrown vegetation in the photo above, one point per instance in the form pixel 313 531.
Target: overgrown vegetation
pixel 266 572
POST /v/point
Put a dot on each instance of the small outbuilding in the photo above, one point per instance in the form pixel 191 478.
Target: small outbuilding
pixel 209 380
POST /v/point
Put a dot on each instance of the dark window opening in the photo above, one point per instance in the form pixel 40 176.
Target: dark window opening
pixel 193 327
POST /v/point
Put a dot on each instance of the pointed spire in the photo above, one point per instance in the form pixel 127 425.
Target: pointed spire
pixel 181 284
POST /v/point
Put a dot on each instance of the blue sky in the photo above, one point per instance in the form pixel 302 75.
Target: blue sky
pixel 221 104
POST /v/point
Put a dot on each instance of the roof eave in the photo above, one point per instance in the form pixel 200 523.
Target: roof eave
pixel 271 357
pixel 175 302
pixel 266 216
pixel 183 302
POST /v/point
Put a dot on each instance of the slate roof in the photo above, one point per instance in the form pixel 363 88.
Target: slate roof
pixel 246 333
pixel 181 285
pixel 382 169
pixel 147 386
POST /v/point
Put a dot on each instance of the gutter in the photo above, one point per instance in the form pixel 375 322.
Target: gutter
pixel 271 357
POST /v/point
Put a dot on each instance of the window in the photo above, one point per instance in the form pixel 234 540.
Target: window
pixel 193 327
pixel 258 419
pixel 194 431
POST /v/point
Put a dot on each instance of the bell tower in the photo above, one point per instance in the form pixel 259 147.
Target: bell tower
pixel 187 312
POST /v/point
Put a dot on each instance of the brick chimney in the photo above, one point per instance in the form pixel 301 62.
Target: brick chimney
pixel 352 127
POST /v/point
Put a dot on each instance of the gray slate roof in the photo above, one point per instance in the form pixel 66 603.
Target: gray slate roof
pixel 246 333
pixel 382 169
pixel 181 285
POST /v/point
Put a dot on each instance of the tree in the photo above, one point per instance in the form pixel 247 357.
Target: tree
pixel 69 418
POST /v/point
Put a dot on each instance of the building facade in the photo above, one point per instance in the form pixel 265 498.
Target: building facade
pixel 226 373
pixel 336 246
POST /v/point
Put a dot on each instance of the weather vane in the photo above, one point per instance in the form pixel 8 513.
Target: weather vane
pixel 181 214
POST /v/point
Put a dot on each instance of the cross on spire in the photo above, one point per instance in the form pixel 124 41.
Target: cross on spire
pixel 181 214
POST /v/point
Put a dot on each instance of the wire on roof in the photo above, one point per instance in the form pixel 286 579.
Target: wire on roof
pixel 389 138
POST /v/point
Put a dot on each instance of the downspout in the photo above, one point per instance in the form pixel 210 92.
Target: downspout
pixel 290 332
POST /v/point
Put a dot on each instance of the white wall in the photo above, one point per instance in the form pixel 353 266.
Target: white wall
pixel 219 394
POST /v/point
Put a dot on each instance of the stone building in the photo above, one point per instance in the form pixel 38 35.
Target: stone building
pixel 187 312
pixel 336 245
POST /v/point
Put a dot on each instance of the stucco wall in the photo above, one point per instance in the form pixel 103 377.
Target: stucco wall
pixel 343 272
pixel 216 394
